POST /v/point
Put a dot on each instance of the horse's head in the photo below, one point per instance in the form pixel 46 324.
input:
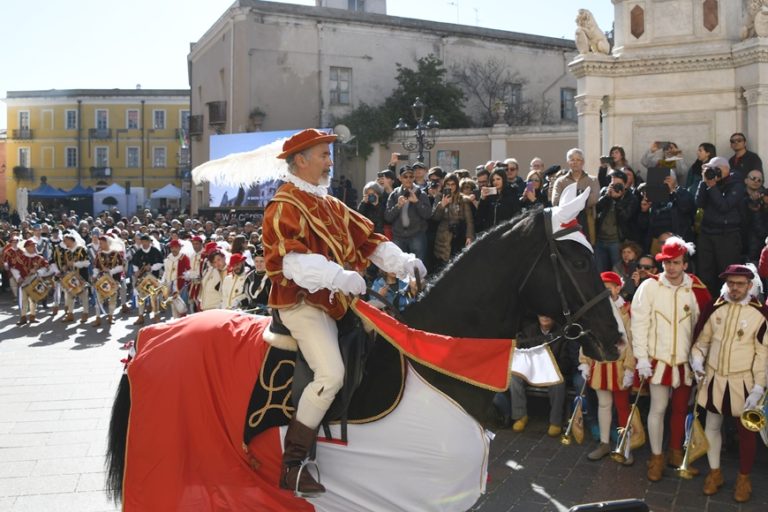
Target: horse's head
pixel 564 282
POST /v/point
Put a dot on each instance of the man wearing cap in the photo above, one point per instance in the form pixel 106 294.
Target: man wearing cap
pixel 195 273
pixel 75 260
pixel 24 266
pixel 721 196
pixel 420 175
pixel 109 260
pixel 233 287
pixel 408 210
pixel 213 276
pixel 730 357
pixel 147 260
pixel 176 266
pixel 664 312
pixel 315 248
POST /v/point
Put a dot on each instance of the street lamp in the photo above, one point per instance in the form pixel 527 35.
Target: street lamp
pixel 426 133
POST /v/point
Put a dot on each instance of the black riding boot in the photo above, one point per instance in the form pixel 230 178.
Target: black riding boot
pixel 298 442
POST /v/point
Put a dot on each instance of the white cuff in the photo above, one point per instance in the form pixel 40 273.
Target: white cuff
pixel 313 272
pixel 135 268
pixel 156 266
pixel 116 270
pixel 82 264
pixel 758 390
pixel 390 258
pixel 16 274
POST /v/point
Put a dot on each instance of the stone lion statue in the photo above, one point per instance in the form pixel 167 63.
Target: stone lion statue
pixel 589 37
pixel 757 20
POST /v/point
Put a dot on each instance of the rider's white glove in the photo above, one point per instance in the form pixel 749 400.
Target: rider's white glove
pixel 697 364
pixel 754 397
pixel 413 266
pixel 348 282
pixel 389 258
pixel 644 368
pixel 584 369
pixel 629 379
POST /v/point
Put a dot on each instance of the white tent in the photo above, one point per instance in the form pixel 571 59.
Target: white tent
pixel 113 195
pixel 170 191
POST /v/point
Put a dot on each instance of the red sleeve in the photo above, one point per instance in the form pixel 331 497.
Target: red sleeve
pixel 762 268
pixel 282 233
pixel 361 229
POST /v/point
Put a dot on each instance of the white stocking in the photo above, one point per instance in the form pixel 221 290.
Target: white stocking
pixel 714 434
pixel 604 414
pixel 659 402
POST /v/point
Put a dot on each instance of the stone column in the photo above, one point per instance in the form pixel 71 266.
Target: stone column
pixel 590 141
pixel 498 138
pixel 757 119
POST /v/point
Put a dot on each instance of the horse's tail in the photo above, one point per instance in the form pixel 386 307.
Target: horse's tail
pixel 118 431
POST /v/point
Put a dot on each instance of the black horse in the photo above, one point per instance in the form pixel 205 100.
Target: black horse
pixel 521 264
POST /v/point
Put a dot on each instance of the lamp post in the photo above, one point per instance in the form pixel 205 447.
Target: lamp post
pixel 425 133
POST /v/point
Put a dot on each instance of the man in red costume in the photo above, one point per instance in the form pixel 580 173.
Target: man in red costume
pixel 24 267
pixel 194 275
pixel 315 248
pixel 176 266
pixel 664 313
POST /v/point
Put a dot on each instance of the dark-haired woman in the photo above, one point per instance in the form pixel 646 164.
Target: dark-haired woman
pixel 498 203
pixel 456 227
pixel 704 154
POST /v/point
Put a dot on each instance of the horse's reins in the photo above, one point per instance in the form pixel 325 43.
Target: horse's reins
pixel 572 330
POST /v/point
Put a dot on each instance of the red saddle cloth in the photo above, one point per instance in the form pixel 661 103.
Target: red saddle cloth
pixel 191 381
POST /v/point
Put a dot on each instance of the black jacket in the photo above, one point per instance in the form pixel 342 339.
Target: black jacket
pixel 722 205
pixel 749 162
pixel 495 209
pixel 626 209
pixel 676 216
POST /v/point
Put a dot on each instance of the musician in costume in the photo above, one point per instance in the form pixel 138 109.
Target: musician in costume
pixel 612 380
pixel 233 295
pixel 731 354
pixel 176 266
pixel 147 260
pixel 664 313
pixel 109 261
pixel 25 266
pixel 257 284
pixel 119 245
pixel 213 277
pixel 195 272
pixel 315 248
pixel 8 257
pixel 75 260
pixel 58 264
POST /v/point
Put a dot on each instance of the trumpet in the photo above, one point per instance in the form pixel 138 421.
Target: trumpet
pixel 754 419
pixel 566 438
pixel 623 446
pixel 685 467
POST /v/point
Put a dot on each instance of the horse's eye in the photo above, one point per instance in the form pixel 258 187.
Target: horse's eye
pixel 580 265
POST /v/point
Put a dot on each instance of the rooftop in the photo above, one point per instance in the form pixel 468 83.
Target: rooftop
pixel 70 93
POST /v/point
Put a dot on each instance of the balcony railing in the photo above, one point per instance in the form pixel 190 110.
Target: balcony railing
pixel 100 133
pixel 183 173
pixel 22 134
pixel 217 113
pixel 23 173
pixel 196 125
pixel 101 172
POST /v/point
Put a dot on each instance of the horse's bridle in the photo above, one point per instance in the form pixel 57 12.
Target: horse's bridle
pixel 572 329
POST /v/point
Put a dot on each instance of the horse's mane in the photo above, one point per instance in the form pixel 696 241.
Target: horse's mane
pixel 517 226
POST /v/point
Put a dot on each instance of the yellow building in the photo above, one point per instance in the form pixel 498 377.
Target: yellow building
pixel 136 138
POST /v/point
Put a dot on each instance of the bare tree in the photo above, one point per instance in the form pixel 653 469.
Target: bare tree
pixel 497 92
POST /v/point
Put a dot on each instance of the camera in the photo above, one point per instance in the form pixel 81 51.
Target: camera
pixel 371 198
pixel 447 192
pixel 712 173
pixel 434 184
pixel 606 160
pixel 618 187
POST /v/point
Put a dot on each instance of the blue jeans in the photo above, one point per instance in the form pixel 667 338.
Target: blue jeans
pixel 416 244
pixel 606 255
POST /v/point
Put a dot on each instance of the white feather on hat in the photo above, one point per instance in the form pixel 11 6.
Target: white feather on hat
pixel 676 240
pixel 247 168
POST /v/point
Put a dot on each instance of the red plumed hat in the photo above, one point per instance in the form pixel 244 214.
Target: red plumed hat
pixel 235 260
pixel 675 247
pixel 611 277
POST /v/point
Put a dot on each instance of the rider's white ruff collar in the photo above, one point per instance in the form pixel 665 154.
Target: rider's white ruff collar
pixel 317 190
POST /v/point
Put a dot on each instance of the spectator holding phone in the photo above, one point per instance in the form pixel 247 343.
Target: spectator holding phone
pixel 665 154
pixel 456 227
pixel 630 252
pixel 534 193
pixel 408 210
pixel 498 202
pixel 616 208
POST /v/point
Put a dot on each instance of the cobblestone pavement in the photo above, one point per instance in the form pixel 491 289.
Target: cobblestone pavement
pixel 530 471
pixel 57 383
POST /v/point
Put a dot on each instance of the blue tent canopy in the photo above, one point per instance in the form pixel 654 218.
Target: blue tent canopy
pixel 45 191
pixel 80 191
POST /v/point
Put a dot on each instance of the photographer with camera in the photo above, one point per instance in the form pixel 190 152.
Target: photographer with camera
pixel 498 202
pixel 721 196
pixel 373 206
pixel 408 210
pixel 455 225
pixel 675 215
pixel 615 210
pixel 606 167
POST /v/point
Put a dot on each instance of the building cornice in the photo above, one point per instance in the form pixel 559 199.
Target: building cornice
pixel 99 93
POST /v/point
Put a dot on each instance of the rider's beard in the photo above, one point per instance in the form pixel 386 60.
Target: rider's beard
pixel 325 180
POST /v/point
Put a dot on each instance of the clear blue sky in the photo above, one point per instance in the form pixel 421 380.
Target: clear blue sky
pixel 94 44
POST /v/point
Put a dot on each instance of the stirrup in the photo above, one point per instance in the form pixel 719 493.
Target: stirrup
pixel 296 491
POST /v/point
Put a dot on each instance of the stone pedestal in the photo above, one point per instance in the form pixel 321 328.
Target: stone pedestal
pixel 678 71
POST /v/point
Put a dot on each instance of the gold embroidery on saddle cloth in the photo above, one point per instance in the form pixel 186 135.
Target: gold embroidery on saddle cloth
pixel 271 388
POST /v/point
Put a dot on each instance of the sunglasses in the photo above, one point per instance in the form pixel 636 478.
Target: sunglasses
pixel 736 141
pixel 755 178
pixel 646 267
